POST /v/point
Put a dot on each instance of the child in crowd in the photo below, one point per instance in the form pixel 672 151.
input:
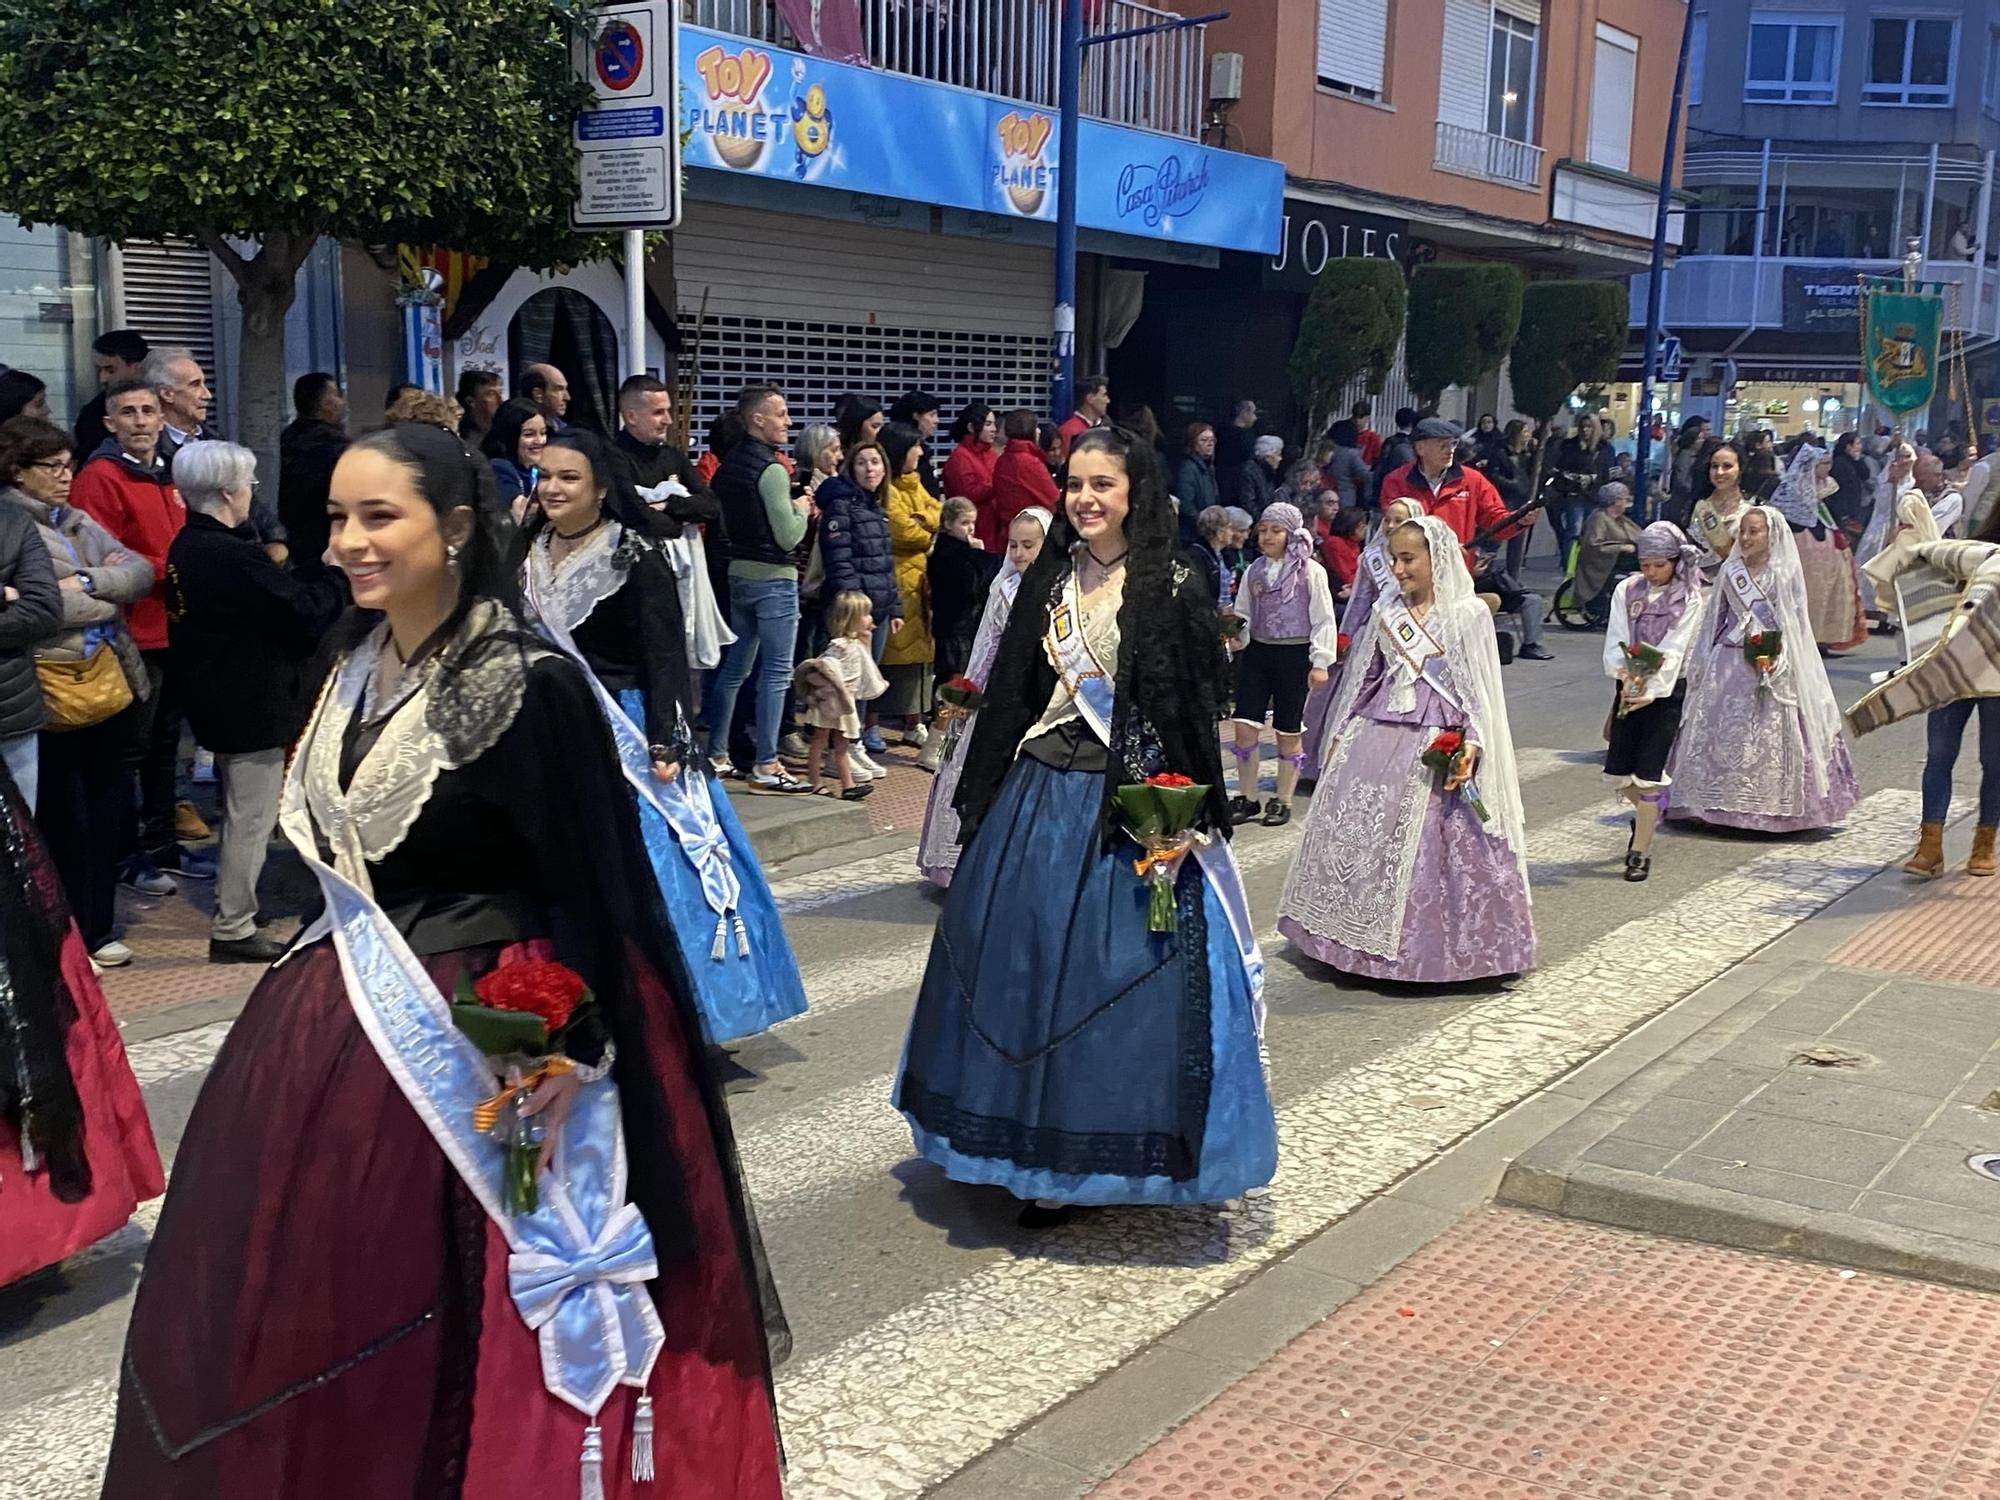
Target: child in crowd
pixel 958 574
pixel 1340 548
pixel 831 689
pixel 1292 641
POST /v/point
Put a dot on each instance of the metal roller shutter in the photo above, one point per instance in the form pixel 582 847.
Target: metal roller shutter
pixel 170 296
pixel 819 308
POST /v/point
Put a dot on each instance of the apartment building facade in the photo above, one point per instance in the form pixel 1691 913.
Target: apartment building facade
pixel 1525 131
pixel 1828 140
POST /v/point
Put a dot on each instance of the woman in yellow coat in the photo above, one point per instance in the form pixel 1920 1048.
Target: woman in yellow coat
pixel 913 522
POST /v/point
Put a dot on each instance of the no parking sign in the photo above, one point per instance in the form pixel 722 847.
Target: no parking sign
pixel 629 176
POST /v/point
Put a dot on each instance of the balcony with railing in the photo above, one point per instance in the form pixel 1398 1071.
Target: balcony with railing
pixel 1497 158
pixel 1008 48
pixel 1747 292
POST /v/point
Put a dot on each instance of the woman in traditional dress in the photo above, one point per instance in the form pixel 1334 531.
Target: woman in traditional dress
pixel 1713 523
pixel 1761 746
pixel 1656 611
pixel 938 847
pixel 1898 479
pixel 1399 875
pixel 343 1298
pixel 1045 980
pixel 599 585
pixel 76 1150
pixel 1833 583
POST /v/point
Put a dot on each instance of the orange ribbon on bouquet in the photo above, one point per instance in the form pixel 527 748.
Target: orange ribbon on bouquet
pixel 487 1111
pixel 1166 851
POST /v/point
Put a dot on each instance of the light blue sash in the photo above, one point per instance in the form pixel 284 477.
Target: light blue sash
pixel 684 802
pixel 580 1261
pixel 1094 692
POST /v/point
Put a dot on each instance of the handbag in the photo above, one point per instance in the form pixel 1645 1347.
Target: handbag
pixel 82 693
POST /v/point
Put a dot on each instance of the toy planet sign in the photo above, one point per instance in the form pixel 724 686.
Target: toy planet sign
pixel 772 113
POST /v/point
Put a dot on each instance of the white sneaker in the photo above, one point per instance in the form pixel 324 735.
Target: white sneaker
pixel 917 735
pixel 861 774
pixel 858 758
pixel 113 955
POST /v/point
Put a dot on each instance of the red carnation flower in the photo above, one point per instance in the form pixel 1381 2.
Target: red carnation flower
pixel 536 986
pixel 1448 743
pixel 1170 778
pixel 1344 642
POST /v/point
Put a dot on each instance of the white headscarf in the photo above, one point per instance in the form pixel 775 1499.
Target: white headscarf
pixel 1800 677
pixel 1464 627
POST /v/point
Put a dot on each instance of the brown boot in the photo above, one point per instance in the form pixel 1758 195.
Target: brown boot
pixel 1982 861
pixel 1928 862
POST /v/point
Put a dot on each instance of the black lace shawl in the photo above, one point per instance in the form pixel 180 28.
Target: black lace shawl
pixel 37 1094
pixel 1171 666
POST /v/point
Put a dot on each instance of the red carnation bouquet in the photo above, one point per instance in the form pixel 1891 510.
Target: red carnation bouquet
pixel 958 699
pixel 1342 644
pixel 1641 662
pixel 1443 755
pixel 518 1016
pixel 1761 646
pixel 1159 814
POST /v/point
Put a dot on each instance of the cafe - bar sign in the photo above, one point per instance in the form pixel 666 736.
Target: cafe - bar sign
pixel 770 113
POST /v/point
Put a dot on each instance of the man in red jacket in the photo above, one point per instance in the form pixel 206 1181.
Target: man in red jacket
pixel 1465 500
pixel 1093 405
pixel 125 488
pixel 1020 477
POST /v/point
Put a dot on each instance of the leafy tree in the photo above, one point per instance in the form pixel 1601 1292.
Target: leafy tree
pixel 1463 318
pixel 1572 333
pixel 1352 324
pixel 254 127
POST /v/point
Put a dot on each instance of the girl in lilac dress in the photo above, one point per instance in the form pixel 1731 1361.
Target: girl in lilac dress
pixel 1399 875
pixel 1760 747
pixel 1371 580
pixel 937 847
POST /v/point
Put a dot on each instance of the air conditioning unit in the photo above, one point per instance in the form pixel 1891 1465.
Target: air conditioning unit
pixel 1225 77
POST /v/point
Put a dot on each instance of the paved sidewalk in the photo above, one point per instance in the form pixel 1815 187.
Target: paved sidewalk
pixel 1518 1356
pixel 1832 1112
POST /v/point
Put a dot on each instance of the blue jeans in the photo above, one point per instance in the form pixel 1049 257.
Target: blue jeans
pixel 1943 731
pixel 765 616
pixel 23 755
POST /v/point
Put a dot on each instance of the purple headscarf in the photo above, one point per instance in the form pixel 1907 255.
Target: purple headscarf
pixel 1665 542
pixel 1298 544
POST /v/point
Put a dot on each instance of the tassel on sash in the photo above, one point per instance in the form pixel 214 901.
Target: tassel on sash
pixel 591 1468
pixel 642 1441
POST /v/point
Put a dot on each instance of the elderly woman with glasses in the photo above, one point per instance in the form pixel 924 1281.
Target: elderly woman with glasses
pixel 78 788
pixel 242 637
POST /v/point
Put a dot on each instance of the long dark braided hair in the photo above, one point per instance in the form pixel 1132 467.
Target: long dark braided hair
pixel 1170 664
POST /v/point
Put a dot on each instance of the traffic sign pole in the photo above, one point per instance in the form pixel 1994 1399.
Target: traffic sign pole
pixel 1656 283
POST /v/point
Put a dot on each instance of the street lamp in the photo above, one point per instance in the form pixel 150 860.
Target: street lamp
pixel 1062 390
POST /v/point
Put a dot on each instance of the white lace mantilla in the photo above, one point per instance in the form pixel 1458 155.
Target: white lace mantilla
pixel 566 592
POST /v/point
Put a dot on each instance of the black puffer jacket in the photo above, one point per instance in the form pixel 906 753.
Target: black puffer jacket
pixel 854 547
pixel 33 617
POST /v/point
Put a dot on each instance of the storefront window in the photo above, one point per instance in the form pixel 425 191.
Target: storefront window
pixel 48 310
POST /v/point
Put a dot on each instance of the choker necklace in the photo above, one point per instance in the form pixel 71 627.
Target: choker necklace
pixel 1103 566
pixel 571 536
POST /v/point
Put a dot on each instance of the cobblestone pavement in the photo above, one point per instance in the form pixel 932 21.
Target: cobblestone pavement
pixel 1519 1357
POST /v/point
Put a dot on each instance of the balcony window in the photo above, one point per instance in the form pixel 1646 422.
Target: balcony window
pixel 1614 84
pixel 1910 61
pixel 1353 45
pixel 1793 59
pixel 1510 97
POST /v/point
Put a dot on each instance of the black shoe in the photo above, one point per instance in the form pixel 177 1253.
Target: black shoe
pixel 1243 810
pixel 856 793
pixel 255 949
pixel 1535 653
pixel 1034 1216
pixel 1277 814
pixel 1638 867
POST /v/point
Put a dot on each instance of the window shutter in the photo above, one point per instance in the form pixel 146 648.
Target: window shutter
pixel 170 296
pixel 1462 82
pixel 1612 83
pixel 1353 43
pixel 1525 10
